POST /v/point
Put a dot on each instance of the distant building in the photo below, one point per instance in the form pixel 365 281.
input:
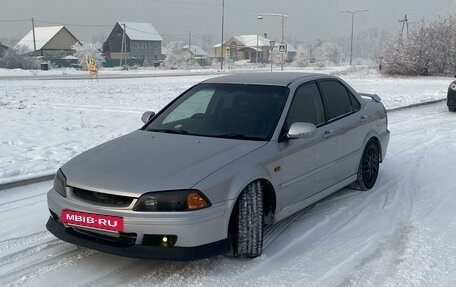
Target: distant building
pixel 195 51
pixel 245 47
pixel 142 40
pixel 3 49
pixel 197 55
pixel 49 41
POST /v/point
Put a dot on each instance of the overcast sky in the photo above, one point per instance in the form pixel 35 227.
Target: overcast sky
pixel 308 20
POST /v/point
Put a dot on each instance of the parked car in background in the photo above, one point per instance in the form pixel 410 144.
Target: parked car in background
pixel 229 155
pixel 451 97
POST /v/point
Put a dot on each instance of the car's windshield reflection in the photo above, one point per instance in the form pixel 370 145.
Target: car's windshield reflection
pixel 245 112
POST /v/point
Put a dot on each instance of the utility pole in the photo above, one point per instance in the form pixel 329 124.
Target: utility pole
pixel 283 41
pixel 221 46
pixel 256 57
pixel 123 45
pixel 405 24
pixel 353 23
pixel 33 32
pixel 190 44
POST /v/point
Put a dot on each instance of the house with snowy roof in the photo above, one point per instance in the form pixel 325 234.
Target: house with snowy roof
pixel 196 55
pixel 195 51
pixel 245 47
pixel 248 47
pixel 143 42
pixel 53 41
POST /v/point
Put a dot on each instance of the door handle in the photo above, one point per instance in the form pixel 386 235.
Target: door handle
pixel 364 118
pixel 328 134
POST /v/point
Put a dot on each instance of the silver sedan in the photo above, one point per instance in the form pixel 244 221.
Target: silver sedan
pixel 231 154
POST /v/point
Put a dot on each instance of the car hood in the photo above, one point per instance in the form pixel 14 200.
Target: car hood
pixel 145 161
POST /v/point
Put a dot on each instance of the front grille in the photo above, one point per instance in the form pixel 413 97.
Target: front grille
pixel 105 198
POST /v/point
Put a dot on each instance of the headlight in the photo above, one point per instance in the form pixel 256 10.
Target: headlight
pixel 60 183
pixel 453 86
pixel 180 200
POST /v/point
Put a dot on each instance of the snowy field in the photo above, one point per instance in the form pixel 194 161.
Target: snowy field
pixel 401 233
pixel 45 122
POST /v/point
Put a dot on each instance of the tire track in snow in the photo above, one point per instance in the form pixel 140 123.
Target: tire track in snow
pixel 5 210
pixel 272 232
pixel 31 267
pixel 118 275
pixel 11 245
pixel 21 200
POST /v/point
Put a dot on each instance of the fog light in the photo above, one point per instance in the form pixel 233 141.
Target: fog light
pixel 159 240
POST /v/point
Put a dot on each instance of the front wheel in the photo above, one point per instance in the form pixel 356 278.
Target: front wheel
pixel 368 167
pixel 247 222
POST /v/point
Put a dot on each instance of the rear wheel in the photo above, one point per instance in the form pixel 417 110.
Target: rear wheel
pixel 368 167
pixel 452 109
pixel 247 222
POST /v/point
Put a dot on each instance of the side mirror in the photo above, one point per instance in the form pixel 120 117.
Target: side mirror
pixel 300 130
pixel 147 116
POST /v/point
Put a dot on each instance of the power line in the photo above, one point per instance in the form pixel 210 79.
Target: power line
pixel 12 21
pixel 70 24
pixel 183 2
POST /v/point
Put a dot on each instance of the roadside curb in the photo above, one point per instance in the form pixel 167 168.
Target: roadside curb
pixel 416 105
pixel 27 181
pixel 47 177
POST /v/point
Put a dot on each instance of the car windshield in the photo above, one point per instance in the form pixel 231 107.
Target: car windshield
pixel 247 112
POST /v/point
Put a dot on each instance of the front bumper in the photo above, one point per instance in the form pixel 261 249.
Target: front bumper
pixel 199 234
pixel 138 251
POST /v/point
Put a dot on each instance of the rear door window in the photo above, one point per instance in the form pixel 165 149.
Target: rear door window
pixel 337 99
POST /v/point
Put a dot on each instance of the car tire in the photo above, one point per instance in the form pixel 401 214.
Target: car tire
pixel 247 222
pixel 452 109
pixel 368 167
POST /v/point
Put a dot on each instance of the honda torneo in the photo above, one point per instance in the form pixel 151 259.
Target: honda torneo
pixel 228 156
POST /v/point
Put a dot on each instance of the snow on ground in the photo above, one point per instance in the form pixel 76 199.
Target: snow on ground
pixel 46 122
pixel 229 68
pixel 400 233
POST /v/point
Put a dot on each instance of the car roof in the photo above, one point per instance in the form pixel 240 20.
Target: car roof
pixel 268 78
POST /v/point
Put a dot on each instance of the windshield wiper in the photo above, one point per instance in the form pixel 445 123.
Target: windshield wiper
pixel 169 131
pixel 240 137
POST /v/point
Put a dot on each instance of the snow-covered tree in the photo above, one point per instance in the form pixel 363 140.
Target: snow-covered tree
pixel 430 49
pixel 17 58
pixel 175 58
pixel 302 57
pixel 92 50
pixel 328 53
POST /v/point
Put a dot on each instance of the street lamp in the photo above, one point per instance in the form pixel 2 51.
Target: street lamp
pixel 283 16
pixel 353 12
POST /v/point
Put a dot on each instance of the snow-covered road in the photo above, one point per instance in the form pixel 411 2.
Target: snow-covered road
pixel 401 233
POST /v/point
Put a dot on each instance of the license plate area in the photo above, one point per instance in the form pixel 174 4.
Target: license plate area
pixel 93 221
